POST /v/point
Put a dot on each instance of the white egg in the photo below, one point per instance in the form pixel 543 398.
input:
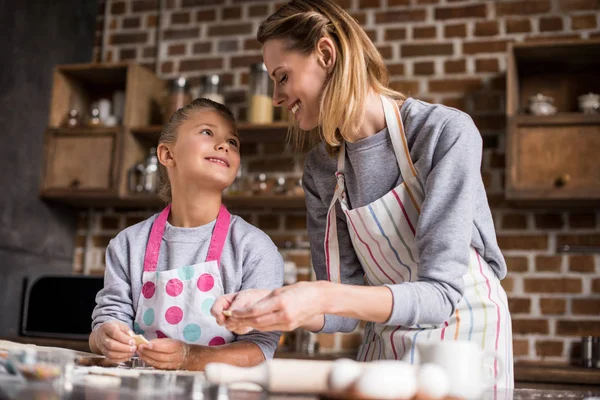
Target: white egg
pixel 433 381
pixel 388 379
pixel 343 374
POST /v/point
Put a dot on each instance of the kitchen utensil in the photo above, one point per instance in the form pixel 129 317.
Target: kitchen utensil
pixel 469 369
pixel 589 103
pixel 276 376
pixel 587 352
pixel 143 177
pixel 541 105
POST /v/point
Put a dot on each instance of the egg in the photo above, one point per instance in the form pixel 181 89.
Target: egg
pixel 387 379
pixel 432 382
pixel 343 374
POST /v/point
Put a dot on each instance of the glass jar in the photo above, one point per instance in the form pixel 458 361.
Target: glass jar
pixel 210 88
pixel 260 104
pixel 179 96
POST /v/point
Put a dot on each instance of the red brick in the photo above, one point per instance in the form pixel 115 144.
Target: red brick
pixel 578 328
pixel 552 39
pixel 232 13
pixel 487 65
pixel 585 306
pixel 360 17
pixel 550 24
pixel 394 3
pixel 454 85
pixel 490 46
pixel 180 18
pixel 517 263
pixel 424 68
pixel 579 5
pixel 252 44
pixel 548 221
pixel 524 7
pixel 131 22
pixel 518 25
pixel 128 38
pixel 552 285
pixel 596 285
pixel 229 30
pixel 420 2
pixel 455 102
pixel 520 347
pixel 488 102
pixel 206 15
pixel 395 34
pixel 469 11
pixel 579 22
pixel 145 5
pixel 176 34
pixel 258 10
pixel 548 263
pixel 455 66
pixel 549 348
pixel 80 241
pixel 519 305
pixel 372 34
pixel 200 64
pixel 227 46
pixel 486 28
pixel 117 8
pixel 196 3
pixel 166 67
pixel 456 30
pixel 553 306
pixel 582 220
pixel 508 284
pixel 592 239
pixel 399 16
pixel 176 49
pixel 295 222
pixel 385 51
pixel 424 32
pixel 583 263
pixel 369 3
pixel 528 326
pixel 245 61
pixel 345 4
pixel 407 87
pixel 151 21
pixel 396 69
pixel 101 240
pixel 202 47
pixel 418 50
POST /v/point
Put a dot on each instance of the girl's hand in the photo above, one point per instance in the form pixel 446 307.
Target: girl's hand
pixel 165 353
pixel 115 341
pixel 284 309
pixel 236 301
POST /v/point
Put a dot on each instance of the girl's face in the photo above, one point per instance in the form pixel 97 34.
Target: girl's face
pixel 299 81
pixel 206 152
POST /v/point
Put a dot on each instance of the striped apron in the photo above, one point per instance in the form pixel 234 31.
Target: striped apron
pixel 383 234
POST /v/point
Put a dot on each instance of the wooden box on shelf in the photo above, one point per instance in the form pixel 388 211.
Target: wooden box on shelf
pixel 553 160
pixel 85 164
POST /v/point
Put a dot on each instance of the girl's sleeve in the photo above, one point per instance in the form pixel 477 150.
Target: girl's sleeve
pixel 114 301
pixel 445 227
pixel 350 269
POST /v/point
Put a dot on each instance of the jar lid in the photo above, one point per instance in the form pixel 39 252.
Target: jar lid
pixel 258 67
pixel 210 80
pixel 179 83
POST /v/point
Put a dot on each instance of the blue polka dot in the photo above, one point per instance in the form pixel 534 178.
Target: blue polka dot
pixel 137 329
pixel 149 316
pixel 207 305
pixel 186 273
pixel 192 332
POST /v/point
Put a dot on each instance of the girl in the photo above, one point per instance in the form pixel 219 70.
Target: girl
pixel 400 229
pixel 163 274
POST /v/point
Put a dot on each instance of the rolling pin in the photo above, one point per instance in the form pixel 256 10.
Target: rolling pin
pixel 276 376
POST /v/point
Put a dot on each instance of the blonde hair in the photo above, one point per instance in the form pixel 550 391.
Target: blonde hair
pixel 359 66
pixel 169 135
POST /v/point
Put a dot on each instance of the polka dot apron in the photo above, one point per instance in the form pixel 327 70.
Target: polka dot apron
pixel 176 303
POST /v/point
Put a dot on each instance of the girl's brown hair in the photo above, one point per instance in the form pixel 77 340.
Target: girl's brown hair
pixel 359 66
pixel 168 135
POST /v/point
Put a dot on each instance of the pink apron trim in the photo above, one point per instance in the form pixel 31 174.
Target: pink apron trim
pixel 217 241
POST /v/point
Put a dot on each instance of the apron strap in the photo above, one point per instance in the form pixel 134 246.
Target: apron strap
pixel 156 234
pixel 217 241
pixel 332 248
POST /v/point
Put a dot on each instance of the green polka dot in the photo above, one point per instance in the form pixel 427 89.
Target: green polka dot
pixel 149 316
pixel 186 273
pixel 192 332
pixel 137 329
pixel 207 305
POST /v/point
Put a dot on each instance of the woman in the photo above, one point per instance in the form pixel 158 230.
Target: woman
pixel 400 229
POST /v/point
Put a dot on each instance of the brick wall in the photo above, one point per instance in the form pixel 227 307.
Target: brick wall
pixel 447 51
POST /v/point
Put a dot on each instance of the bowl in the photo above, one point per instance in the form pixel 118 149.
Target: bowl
pixel 39 364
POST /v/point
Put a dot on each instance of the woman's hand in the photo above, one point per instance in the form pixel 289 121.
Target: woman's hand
pixel 115 341
pixel 165 353
pixel 236 301
pixel 283 309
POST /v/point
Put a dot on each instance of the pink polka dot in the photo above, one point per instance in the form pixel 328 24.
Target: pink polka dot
pixel 160 335
pixel 148 289
pixel 206 282
pixel 216 341
pixel 174 315
pixel 174 287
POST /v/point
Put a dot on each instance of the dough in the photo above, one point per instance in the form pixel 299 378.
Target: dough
pixel 139 339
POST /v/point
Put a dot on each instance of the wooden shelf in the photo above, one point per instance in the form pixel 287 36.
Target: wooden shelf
pixel 559 119
pixel 249 133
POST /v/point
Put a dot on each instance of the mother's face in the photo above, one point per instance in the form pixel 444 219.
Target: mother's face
pixel 299 81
